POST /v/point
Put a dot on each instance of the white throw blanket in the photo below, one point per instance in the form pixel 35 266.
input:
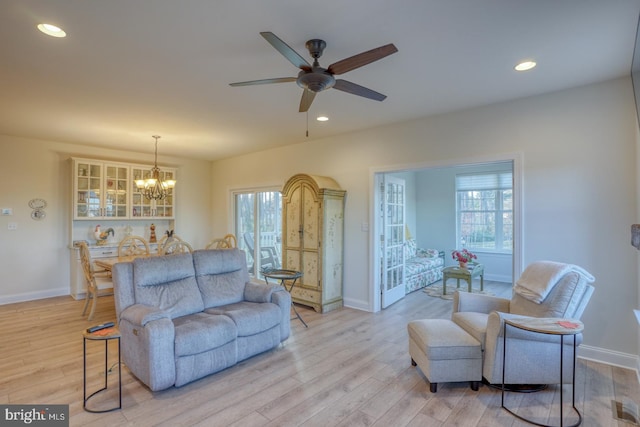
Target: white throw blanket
pixel 539 278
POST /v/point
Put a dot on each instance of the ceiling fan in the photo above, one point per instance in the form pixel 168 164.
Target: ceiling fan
pixel 313 78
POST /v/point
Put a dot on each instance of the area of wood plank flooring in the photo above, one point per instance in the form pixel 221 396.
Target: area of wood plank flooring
pixel 348 368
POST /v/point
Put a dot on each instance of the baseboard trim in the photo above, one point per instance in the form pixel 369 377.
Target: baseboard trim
pixel 356 304
pixel 498 278
pixel 30 296
pixel 609 357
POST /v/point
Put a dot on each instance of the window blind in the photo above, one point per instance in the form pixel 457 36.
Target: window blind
pixel 484 181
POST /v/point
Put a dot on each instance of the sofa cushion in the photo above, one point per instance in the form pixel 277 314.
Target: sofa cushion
pixel 200 332
pixel 167 282
pixel 221 275
pixel 250 317
pixel 442 339
pixel 410 248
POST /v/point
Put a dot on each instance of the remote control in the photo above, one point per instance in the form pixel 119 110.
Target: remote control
pixel 99 327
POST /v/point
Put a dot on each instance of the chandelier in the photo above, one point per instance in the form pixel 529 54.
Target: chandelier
pixel 154 188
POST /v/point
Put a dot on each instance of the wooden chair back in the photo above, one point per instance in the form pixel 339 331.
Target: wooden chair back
pixel 90 278
pixel 227 242
pixel 133 246
pixel 175 247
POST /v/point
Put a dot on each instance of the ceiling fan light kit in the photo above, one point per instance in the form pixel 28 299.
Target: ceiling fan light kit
pixel 314 78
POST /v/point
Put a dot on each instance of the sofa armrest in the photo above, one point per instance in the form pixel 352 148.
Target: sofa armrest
pixel 479 303
pixel 282 299
pixel 148 341
pixel 139 314
pixel 260 292
pixel 276 294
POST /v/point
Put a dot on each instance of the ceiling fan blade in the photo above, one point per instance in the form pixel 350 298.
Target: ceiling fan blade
pixel 306 100
pixel 361 59
pixel 264 81
pixel 355 89
pixel 286 50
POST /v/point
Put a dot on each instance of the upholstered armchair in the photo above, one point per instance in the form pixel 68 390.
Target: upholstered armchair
pixel 545 289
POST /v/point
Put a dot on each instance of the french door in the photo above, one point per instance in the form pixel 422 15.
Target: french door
pixel 258 227
pixel 392 200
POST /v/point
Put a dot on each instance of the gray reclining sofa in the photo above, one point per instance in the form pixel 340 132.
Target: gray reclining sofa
pixel 183 317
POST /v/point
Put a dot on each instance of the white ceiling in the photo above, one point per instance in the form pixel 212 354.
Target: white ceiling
pixel 129 69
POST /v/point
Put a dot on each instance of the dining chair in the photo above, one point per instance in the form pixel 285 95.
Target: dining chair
pixel 166 239
pixel 133 246
pixel 227 242
pixel 96 279
pixel 175 247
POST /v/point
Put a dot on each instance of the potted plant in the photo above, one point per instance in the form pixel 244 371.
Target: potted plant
pixel 463 257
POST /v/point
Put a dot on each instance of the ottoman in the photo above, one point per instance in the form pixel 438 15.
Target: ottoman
pixel 444 352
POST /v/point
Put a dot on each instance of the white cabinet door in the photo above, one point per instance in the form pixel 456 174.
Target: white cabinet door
pixel 100 190
pixel 141 207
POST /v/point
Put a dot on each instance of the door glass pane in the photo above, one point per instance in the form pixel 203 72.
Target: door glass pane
pixel 259 229
pixel 245 216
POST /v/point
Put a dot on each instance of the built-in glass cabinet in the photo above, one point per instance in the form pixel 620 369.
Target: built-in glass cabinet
pixel 108 190
pixel 143 207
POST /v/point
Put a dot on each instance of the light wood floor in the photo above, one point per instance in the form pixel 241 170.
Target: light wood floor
pixel 349 368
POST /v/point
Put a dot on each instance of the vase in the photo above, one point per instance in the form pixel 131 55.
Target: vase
pixel 462 264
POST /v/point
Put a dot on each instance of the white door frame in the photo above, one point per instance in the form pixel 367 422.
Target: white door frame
pixel 374 243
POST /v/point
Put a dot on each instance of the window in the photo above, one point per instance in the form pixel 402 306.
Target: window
pixel 485 211
pixel 258 216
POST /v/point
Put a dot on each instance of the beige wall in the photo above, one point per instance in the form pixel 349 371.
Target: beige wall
pixel 34 259
pixel 580 194
pixel 579 188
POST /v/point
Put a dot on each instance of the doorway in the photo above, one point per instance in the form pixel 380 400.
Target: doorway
pixel 431 217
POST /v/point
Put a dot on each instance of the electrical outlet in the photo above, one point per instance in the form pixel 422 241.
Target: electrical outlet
pixel 7 211
pixel 12 226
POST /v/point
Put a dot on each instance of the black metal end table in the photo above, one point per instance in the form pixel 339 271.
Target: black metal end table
pixel 284 275
pixel 548 326
pixel 105 335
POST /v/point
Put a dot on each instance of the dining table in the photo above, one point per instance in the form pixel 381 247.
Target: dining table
pixel 108 263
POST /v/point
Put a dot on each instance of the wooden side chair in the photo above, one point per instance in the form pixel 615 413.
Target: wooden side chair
pixel 175 247
pixel 133 246
pixel 96 279
pixel 166 239
pixel 227 242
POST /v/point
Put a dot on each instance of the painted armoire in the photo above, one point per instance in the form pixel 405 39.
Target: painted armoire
pixel 312 239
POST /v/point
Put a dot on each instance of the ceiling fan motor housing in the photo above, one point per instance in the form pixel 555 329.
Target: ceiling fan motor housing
pixel 315 80
pixel 315 47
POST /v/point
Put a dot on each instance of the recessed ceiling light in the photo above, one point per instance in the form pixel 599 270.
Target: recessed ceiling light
pixel 322 118
pixel 525 66
pixel 52 30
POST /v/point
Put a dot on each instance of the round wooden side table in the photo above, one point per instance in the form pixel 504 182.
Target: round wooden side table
pixel 106 335
pixel 547 326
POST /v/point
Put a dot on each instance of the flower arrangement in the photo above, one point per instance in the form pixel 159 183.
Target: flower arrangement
pixel 463 256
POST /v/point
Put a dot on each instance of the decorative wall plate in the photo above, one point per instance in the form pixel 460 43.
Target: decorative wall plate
pixel 38 214
pixel 37 203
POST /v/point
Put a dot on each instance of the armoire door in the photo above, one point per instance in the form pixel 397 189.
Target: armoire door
pixel 302 235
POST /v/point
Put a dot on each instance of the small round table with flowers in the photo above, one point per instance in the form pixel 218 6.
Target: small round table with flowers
pixel 473 269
